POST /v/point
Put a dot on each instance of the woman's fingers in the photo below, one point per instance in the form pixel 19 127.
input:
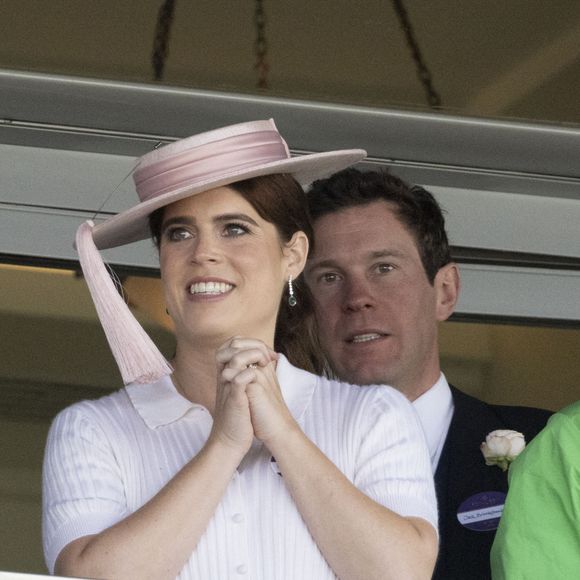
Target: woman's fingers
pixel 232 421
pixel 240 358
pixel 241 376
pixel 270 415
pixel 240 352
pixel 243 364
pixel 244 357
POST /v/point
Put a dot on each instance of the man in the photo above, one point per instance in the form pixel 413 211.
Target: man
pixel 382 278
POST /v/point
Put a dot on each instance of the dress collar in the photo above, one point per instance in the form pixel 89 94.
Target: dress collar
pixel 160 403
pixel 297 386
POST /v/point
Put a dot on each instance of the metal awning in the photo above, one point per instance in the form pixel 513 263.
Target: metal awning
pixel 511 190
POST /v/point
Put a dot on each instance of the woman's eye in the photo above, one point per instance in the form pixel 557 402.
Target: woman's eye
pixel 178 234
pixel 235 230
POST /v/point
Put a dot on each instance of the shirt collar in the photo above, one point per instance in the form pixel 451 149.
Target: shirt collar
pixel 435 409
pixel 160 404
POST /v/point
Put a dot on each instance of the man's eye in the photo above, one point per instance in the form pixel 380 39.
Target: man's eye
pixel 235 230
pixel 384 268
pixel 329 277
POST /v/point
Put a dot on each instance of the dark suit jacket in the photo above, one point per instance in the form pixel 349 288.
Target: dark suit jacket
pixel 462 472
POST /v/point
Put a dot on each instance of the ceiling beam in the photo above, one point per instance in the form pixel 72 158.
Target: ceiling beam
pixel 527 75
pixel 39 110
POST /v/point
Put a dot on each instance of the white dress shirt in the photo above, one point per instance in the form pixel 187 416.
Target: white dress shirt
pixel 108 457
pixel 435 409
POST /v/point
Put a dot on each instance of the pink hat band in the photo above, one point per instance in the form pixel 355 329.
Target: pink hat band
pixel 207 162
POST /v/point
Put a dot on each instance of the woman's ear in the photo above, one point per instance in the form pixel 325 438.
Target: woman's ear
pixel 295 253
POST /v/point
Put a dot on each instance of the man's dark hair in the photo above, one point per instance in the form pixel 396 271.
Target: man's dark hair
pixel 415 207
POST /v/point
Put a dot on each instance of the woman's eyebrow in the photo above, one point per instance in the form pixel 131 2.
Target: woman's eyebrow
pixel 225 217
pixel 190 221
pixel 182 220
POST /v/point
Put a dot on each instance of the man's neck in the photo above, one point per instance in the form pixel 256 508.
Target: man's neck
pixel 414 390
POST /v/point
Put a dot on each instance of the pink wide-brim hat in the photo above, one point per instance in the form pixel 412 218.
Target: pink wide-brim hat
pixel 166 175
pixel 211 160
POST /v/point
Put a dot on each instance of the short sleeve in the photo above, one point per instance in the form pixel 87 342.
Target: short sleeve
pixel 83 491
pixel 539 531
pixel 393 465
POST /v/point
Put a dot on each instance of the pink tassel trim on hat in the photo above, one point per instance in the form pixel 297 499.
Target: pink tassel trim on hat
pixel 138 359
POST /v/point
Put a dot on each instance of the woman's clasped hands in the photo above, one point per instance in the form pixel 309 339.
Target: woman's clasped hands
pixel 249 401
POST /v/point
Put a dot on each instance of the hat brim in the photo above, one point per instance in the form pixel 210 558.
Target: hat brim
pixel 132 225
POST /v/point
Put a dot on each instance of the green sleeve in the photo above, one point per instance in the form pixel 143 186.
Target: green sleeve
pixel 539 533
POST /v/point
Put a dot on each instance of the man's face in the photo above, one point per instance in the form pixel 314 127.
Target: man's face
pixel 376 310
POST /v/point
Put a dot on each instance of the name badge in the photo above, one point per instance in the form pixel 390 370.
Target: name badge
pixel 481 512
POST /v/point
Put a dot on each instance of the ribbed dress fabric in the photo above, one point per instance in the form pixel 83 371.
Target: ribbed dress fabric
pixel 106 458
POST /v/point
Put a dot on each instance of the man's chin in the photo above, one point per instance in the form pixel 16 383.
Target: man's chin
pixel 364 376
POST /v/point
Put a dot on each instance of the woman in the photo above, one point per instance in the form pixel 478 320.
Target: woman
pixel 237 464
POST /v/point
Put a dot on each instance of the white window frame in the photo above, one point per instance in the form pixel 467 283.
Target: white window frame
pixel 511 190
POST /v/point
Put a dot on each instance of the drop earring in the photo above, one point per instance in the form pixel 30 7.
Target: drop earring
pixel 291 298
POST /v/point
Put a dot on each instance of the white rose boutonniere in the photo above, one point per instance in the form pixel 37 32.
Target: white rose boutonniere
pixel 501 447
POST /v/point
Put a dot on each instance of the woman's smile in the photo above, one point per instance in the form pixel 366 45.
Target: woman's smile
pixel 209 288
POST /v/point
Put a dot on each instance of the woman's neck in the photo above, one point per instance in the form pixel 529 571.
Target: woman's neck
pixel 195 375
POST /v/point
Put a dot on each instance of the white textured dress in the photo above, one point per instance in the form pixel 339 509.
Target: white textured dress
pixel 106 458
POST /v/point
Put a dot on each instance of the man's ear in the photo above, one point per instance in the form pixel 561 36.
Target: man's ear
pixel 447 286
pixel 296 252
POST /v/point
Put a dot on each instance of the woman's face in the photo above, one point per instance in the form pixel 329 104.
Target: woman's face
pixel 224 268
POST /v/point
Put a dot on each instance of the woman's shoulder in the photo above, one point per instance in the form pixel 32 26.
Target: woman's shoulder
pixel 384 397
pixel 110 407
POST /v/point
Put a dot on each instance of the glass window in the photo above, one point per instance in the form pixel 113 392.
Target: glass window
pixel 513 364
